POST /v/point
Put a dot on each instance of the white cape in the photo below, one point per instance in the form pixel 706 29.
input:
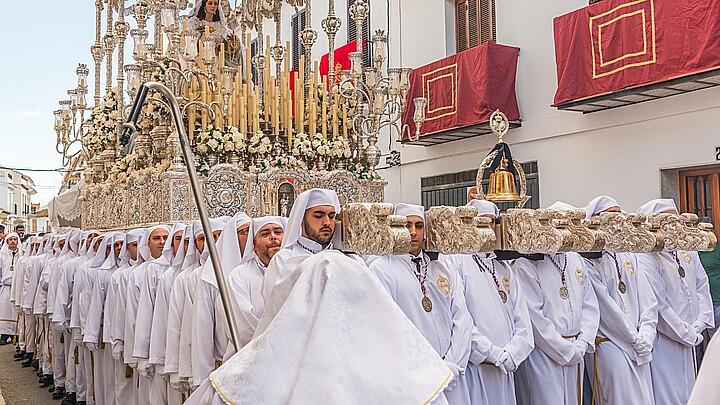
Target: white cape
pixel 330 334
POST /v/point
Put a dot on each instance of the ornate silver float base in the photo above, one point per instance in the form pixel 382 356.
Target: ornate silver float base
pixel 151 198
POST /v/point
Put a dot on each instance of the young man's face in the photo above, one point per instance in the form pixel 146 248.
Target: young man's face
pixel 416 227
pixel 20 230
pixel 319 224
pixel 12 242
pixel 132 248
pixel 267 242
pixel 117 246
pixel 156 242
pixel 177 239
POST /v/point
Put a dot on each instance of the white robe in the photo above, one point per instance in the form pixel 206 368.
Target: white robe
pixel 94 337
pixel 8 313
pixel 114 330
pixel 246 284
pixel 448 326
pixel 621 376
pixel 707 389
pixel 323 319
pixel 685 310
pixel 497 325
pixel 552 374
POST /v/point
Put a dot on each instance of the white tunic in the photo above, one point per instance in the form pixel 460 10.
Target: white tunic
pixel 8 313
pixel 498 326
pixel 94 325
pixel 623 375
pixel 552 374
pixel 685 310
pixel 160 324
pixel 132 298
pixel 246 285
pixel 174 323
pixel 448 326
pixel 146 306
pixel 119 282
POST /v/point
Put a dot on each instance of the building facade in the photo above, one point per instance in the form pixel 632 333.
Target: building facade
pixel 636 151
pixel 16 191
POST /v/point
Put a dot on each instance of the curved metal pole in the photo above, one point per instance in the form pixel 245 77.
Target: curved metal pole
pixel 202 211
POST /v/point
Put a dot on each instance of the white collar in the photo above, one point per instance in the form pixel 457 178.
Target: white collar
pixel 312 246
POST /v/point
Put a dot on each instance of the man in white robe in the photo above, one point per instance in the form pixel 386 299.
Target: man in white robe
pixel 185 357
pixel 94 331
pixel 9 256
pixel 60 374
pixel 82 292
pixel 264 241
pixel 619 369
pixel 145 313
pixel 502 335
pixel 685 311
pixel 125 379
pixel 43 298
pixel 430 293
pixel 564 315
pixel 29 248
pixel 75 375
pixel 209 339
pixel 176 306
pixel 31 275
pixel 329 317
pixel 158 333
pixel 309 231
pixel 150 247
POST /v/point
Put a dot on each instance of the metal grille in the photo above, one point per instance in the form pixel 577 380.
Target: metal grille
pixel 298 25
pixel 253 53
pixel 451 188
pixel 352 34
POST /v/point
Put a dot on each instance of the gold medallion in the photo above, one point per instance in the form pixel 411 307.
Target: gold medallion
pixel 686 256
pixel 503 296
pixel 564 294
pixel 681 271
pixel 506 283
pixel 622 287
pixel 426 303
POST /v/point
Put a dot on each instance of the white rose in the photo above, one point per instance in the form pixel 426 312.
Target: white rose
pixel 229 147
pixel 202 149
pixel 212 143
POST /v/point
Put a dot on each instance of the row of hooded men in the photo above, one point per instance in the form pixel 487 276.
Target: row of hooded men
pixel 136 317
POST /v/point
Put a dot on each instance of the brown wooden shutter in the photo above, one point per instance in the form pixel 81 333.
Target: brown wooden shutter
pixel 461 14
pixel 475 23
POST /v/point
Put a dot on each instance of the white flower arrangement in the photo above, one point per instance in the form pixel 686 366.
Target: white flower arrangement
pixel 340 148
pixel 151 114
pixel 259 144
pixel 122 168
pixel 101 126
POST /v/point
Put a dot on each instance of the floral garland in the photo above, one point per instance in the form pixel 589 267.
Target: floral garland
pixel 102 125
pixel 152 113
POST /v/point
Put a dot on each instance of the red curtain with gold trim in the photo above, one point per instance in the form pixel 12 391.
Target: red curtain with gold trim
pixel 617 44
pixel 465 88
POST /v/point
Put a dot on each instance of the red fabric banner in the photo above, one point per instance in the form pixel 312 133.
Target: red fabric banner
pixel 465 88
pixel 342 60
pixel 618 44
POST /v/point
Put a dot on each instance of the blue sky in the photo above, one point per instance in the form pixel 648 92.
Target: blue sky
pixel 40 54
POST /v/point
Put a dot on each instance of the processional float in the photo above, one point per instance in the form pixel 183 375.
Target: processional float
pixel 258 143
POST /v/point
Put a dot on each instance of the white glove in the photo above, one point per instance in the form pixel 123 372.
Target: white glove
pixel 699 326
pixel 117 351
pixel 642 345
pixel 494 354
pixel 27 311
pixel 698 339
pixel 455 374
pixel 91 346
pixel 580 347
pixel 176 383
pixel 507 365
pixel 145 369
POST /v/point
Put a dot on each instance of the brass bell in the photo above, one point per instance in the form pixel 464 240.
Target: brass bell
pixel 502 185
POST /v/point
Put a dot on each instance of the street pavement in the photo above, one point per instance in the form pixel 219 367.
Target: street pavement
pixel 19 386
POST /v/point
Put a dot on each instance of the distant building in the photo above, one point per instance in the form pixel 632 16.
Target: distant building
pixel 38 221
pixel 16 191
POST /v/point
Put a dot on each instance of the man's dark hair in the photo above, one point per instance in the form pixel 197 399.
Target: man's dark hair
pixel 2 228
pixel 19 226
